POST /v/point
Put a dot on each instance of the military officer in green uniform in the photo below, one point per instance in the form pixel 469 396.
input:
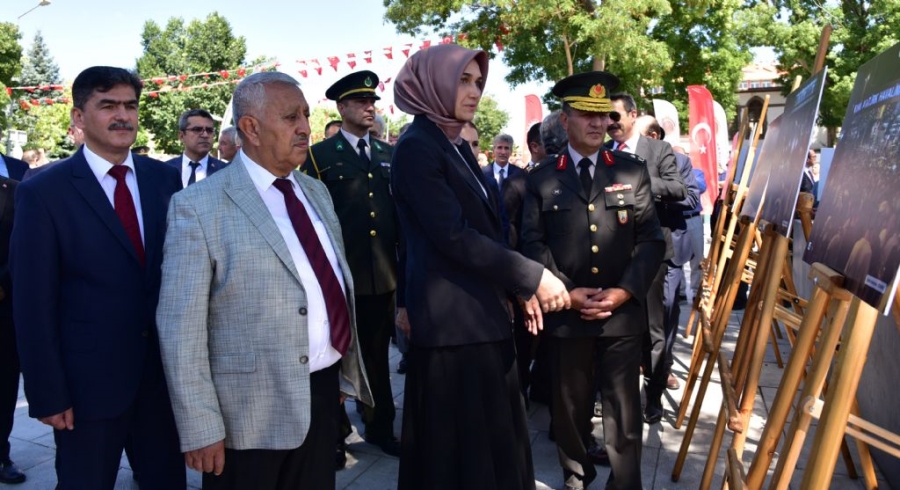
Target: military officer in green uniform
pixel 589 218
pixel 357 170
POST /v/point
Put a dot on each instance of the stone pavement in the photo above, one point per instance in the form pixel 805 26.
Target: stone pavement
pixel 369 469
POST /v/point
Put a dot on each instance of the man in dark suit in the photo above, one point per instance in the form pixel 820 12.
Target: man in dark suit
pixel 12 168
pixel 673 214
pixel 88 242
pixel 510 181
pixel 196 128
pixel 589 218
pixel 357 171
pixel 9 358
pixel 666 186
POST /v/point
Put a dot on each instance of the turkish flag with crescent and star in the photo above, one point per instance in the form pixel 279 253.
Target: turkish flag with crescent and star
pixel 703 141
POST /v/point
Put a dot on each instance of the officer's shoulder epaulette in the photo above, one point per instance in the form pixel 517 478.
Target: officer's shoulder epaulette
pixel 550 161
pixel 629 157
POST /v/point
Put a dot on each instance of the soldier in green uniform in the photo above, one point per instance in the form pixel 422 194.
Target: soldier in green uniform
pixel 589 218
pixel 357 170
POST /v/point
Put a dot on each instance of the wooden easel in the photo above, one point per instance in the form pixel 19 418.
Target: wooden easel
pixel 827 294
pixel 709 308
pixel 836 412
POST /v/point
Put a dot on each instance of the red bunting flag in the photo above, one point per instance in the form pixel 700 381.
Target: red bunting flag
pixel 703 140
pixel 447 40
pixel 368 56
pixel 351 60
pixel 303 73
pixel 405 50
pixel 389 52
pixel 462 37
pixel 224 73
pixel 425 44
pixel 333 61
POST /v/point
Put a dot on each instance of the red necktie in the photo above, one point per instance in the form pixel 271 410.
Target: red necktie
pixel 622 147
pixel 335 301
pixel 124 204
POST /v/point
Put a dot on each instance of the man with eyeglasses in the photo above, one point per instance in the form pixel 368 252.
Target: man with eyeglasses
pixel 196 129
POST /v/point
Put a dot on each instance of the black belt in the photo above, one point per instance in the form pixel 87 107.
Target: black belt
pixel 691 215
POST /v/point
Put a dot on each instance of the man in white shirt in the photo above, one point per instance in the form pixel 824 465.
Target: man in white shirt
pixel 256 313
pixel 196 128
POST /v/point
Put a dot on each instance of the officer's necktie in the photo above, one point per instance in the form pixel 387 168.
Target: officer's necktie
pixel 335 300
pixel 362 152
pixel 193 178
pixel 585 175
pixel 123 202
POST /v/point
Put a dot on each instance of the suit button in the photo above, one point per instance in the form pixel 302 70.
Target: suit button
pixel 621 203
pixel 370 176
pixel 591 207
pixel 304 359
pixel 372 214
pixel 555 207
pixel 595 249
pixel 595 270
pixel 593 227
pixel 145 333
pixel 371 195
pixel 373 233
pixel 340 177
pixel 303 310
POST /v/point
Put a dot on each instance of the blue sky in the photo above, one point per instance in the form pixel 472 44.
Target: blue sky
pixel 82 33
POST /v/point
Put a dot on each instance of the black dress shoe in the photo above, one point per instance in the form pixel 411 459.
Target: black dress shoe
pixel 652 414
pixel 9 474
pixel 389 446
pixel 598 455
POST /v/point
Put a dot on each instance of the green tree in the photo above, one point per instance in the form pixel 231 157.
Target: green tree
pixel 10 52
pixel 550 40
pixel 202 46
pixel 45 124
pixel 490 120
pixel 394 124
pixel 318 118
pixel 38 67
pixel 862 29
pixel 706 49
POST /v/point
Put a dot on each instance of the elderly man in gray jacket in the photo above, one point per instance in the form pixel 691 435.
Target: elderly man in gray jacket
pixel 256 313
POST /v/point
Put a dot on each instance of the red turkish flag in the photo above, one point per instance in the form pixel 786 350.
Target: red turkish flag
pixel 389 52
pixel 351 60
pixel 333 61
pixel 368 56
pixel 703 141
pixel 533 111
pixel 406 49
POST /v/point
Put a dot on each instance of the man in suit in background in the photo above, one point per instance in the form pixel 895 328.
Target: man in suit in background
pixel 356 169
pixel 673 214
pixel 195 130
pixel 9 357
pixel 589 218
pixel 256 307
pixel 666 186
pixel 229 144
pixel 10 167
pixel 85 259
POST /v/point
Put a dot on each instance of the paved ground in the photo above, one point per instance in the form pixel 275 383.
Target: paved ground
pixel 369 469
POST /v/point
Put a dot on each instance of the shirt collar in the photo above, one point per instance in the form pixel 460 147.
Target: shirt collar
pixel 632 143
pixel 100 166
pixel 185 160
pixel 576 157
pixel 262 178
pixel 498 168
pixel 354 140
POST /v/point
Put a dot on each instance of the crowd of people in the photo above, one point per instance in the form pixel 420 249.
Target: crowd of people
pixel 217 312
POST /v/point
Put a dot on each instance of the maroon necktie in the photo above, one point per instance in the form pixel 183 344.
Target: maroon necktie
pixel 124 204
pixel 335 301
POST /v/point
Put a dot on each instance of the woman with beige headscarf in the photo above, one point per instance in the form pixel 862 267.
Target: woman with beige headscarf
pixel 464 422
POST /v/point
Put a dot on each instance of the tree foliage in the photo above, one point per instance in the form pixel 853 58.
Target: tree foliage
pixel 862 29
pixel 318 118
pixel 45 125
pixel 201 46
pixel 490 120
pixel 10 52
